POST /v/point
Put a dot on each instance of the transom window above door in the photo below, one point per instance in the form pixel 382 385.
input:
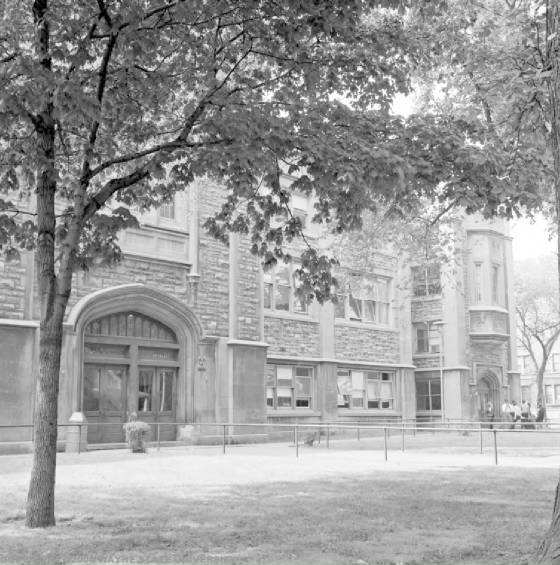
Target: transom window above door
pixel 130 324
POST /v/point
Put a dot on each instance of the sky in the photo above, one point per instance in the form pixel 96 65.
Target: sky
pixel 530 239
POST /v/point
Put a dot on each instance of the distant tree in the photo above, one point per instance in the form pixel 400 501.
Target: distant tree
pixel 538 321
pixel 112 104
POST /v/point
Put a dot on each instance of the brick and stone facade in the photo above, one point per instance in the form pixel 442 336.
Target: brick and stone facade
pixel 218 340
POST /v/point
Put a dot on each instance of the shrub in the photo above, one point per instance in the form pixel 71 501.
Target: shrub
pixel 136 434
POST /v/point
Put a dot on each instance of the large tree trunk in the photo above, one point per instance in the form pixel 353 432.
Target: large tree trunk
pixel 549 550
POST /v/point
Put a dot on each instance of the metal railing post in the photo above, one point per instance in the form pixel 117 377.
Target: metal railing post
pixel 495 446
pixel 328 436
pixel 402 437
pixel 158 435
pixel 385 441
pixel 296 439
pixel 224 440
pixel 480 429
pixel 358 433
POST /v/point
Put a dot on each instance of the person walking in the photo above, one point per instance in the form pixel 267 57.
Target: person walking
pixel 516 414
pixel 507 413
pixel 524 414
pixel 490 413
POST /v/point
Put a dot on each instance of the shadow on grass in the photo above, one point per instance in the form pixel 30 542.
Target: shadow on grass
pixel 491 516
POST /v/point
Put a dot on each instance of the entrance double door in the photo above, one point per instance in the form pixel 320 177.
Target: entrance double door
pixel 113 392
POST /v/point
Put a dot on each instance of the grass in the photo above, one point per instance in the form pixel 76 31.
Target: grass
pixel 479 515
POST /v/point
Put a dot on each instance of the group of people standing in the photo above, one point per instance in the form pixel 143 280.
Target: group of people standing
pixel 517 415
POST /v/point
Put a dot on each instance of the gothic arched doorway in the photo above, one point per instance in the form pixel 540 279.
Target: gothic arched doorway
pixel 130 365
pixel 487 390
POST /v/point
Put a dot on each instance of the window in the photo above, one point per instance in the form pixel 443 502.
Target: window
pixel 525 394
pixel 555 361
pixel 428 338
pixel 525 362
pixel 428 394
pixel 426 280
pixel 365 390
pixel 280 284
pixel 556 394
pixel 299 208
pixel 477 283
pixel 495 284
pixel 289 387
pixel 167 210
pixel 549 394
pixel 367 300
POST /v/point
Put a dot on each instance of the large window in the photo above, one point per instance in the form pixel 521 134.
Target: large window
pixel 496 284
pixel 280 285
pixel 555 361
pixel 289 387
pixel 367 300
pixel 428 394
pixel 426 280
pixel 428 338
pixel 365 390
pixel 552 394
pixel 477 283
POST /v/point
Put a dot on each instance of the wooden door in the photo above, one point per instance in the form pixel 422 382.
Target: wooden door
pixel 105 402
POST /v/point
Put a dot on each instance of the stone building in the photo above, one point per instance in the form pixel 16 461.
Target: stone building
pixel 186 330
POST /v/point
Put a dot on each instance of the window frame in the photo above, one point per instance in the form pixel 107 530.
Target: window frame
pixel 433 344
pixel 478 282
pixel 430 381
pixel 366 399
pixel 310 398
pixel 345 298
pixel 296 305
pixel 425 282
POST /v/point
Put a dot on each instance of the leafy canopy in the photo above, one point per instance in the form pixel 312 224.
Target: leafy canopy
pixel 146 95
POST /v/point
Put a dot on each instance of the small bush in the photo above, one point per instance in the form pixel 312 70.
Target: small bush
pixel 136 434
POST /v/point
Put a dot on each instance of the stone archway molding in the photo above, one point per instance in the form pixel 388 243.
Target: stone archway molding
pixel 139 298
pixel 153 303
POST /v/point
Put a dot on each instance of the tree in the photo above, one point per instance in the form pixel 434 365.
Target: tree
pixel 537 314
pixel 110 105
pixel 498 62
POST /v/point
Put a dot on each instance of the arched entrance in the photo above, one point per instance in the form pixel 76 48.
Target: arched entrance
pixel 134 351
pixel 487 390
pixel 130 365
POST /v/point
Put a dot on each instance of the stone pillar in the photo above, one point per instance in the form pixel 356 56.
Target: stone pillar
pixel 407 393
pixel 76 436
pixel 327 399
pixel 248 360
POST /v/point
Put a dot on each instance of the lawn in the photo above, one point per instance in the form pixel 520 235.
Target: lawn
pixel 260 505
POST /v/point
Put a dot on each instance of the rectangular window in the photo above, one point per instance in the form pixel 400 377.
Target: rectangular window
pixel 426 280
pixel 495 284
pixel 556 394
pixel 526 393
pixel 477 283
pixel 556 361
pixel 428 338
pixel 428 395
pixel 367 300
pixel 365 390
pixel 167 210
pixel 289 387
pixel 548 394
pixel 280 284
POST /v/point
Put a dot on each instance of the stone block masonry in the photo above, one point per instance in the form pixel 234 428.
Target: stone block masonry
pixel 292 337
pixel 366 344
pixel 12 288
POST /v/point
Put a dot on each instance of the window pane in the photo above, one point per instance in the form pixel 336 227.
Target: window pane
pixel 111 387
pixel 166 379
pixel 267 295
pixel 435 387
pixel 386 389
pixel 282 274
pixel 303 403
pixel 355 308
pixel 382 313
pixel 339 306
pixel 344 389
pixel 303 386
pixel 422 388
pixel 270 397
pixel 284 397
pixel 368 310
pixel 436 402
pixel 304 372
pixel 284 376
pixel 299 304
pixel 421 340
pixel 282 298
pixel 556 394
pixel 91 388
pixel 549 394
pixel 373 388
pixel 270 375
pixel 145 379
